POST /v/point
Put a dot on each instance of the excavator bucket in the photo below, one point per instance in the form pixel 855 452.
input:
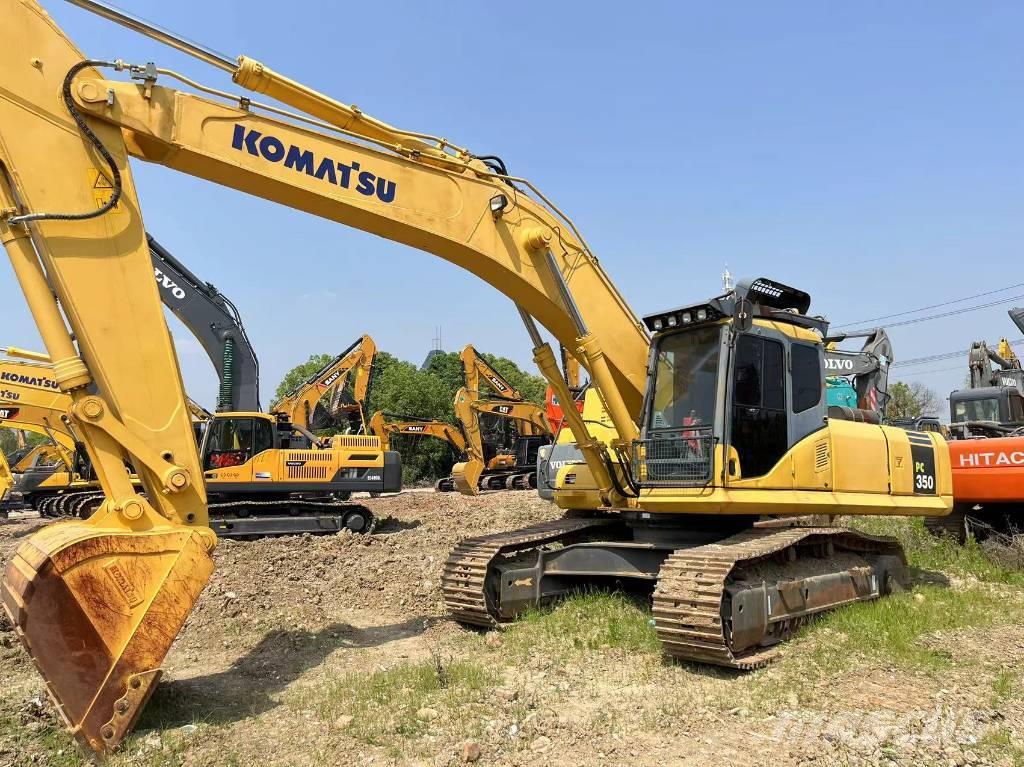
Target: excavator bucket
pixel 97 608
pixel 467 477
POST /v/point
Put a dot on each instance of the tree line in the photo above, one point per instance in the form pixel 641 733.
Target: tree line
pixel 402 388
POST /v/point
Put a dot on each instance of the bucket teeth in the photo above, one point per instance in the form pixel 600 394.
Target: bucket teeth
pixel 97 610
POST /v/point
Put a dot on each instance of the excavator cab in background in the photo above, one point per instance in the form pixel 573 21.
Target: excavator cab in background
pixel 992 404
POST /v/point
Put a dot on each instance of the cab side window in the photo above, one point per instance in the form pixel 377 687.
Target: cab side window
pixel 263 436
pixel 807 380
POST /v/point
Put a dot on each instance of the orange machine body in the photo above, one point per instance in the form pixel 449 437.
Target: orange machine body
pixel 988 470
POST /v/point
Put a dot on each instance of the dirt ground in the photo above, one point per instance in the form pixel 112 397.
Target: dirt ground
pixel 297 652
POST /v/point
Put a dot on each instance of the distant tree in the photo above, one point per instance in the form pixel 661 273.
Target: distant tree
pixel 912 400
pixel 300 373
pixel 447 367
pixel 9 439
pixel 400 388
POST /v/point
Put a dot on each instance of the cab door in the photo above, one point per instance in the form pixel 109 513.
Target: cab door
pixel 758 424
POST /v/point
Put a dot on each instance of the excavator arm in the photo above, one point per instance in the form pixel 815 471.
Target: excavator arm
pixel 868 368
pixel 477 373
pixel 415 427
pixel 118 586
pixel 299 404
pixel 216 324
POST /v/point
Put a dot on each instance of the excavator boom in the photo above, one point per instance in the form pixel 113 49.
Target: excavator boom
pixel 300 404
pixel 119 585
pixel 215 323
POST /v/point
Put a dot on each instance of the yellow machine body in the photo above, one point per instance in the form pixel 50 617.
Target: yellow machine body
pixel 98 602
pixel 844 467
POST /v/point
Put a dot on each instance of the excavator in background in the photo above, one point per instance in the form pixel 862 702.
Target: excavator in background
pixel 43 454
pixel 483 464
pixel 485 468
pixel 992 405
pixel 215 323
pixel 859 379
pixel 722 443
pixel 306 495
pixel 485 400
pixel 267 473
pixel 987 450
pixel 302 406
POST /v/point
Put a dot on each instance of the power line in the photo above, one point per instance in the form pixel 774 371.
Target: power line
pixel 942 356
pixel 951 313
pixel 936 306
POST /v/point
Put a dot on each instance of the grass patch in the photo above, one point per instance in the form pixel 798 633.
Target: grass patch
pixel 36 742
pixel 1003 687
pixel 942 554
pixel 587 621
pixel 385 706
pixel 999 746
pixel 890 629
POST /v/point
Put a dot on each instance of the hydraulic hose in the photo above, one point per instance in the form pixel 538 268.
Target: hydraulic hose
pixel 83 126
pixel 227 380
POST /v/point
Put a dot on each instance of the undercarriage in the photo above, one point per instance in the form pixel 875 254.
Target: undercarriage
pixel 514 478
pixel 982 521
pixel 725 592
pixel 241 518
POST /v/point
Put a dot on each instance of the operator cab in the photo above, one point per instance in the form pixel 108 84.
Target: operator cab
pixel 986 410
pixel 232 439
pixel 743 372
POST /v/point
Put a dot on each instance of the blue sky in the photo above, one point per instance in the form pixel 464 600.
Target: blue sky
pixel 868 153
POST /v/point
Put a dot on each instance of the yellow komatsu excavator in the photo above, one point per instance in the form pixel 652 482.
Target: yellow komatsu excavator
pixel 30 399
pixel 717 406
pixel 300 406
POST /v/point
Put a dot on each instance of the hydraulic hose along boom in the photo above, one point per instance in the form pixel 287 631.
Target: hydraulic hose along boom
pixel 702 451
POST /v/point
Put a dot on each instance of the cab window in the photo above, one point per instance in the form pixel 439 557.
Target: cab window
pixel 686 379
pixel 807 382
pixel 230 443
